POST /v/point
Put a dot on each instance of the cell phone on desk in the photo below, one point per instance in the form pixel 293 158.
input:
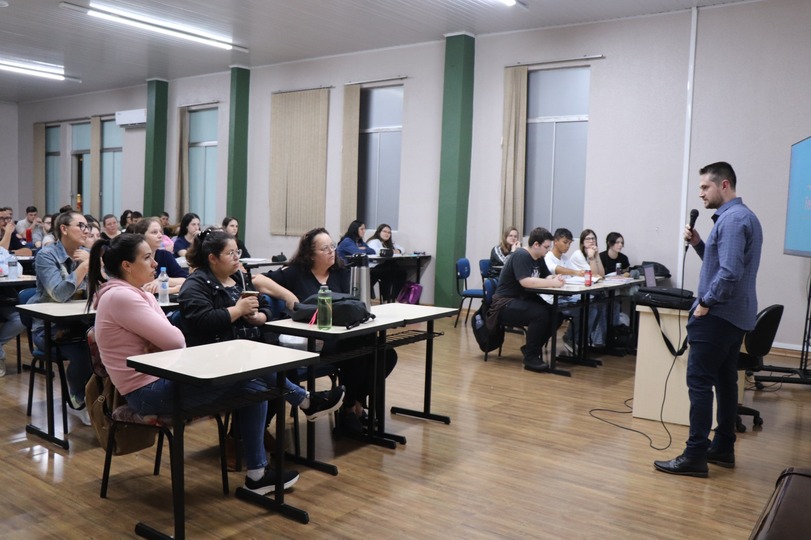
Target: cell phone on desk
pixel 249 294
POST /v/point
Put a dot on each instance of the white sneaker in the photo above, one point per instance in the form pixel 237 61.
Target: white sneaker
pixel 82 415
pixel 2 367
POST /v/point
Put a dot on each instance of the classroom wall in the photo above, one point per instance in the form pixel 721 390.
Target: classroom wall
pixel 748 108
pixel 9 147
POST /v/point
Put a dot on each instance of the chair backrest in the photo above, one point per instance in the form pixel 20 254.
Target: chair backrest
pixel 484 268
pixel 462 273
pixel 490 286
pixel 759 340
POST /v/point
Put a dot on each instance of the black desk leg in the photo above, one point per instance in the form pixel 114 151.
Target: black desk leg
pixel 50 435
pixel 553 332
pixel 426 406
pixel 277 502
pixel 580 357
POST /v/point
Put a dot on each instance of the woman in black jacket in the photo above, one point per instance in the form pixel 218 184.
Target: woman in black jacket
pixel 216 307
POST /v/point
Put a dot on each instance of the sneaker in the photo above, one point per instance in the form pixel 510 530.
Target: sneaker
pixel 2 367
pixel 267 484
pixel 323 403
pixel 76 402
pixel 82 415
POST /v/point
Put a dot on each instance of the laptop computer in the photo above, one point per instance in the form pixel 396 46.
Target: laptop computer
pixel 649 275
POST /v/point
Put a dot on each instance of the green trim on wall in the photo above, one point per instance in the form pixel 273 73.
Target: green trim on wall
pixel 454 169
pixel 237 199
pixel 157 105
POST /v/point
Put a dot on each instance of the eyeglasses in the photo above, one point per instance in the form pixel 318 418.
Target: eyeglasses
pixel 5 218
pixel 82 226
pixel 590 238
pixel 234 254
pixel 546 246
pixel 327 249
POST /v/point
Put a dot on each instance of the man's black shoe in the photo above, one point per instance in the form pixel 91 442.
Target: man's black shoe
pixel 535 364
pixel 722 459
pixel 684 466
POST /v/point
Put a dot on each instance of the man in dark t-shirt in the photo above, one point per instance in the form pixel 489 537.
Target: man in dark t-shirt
pixel 514 304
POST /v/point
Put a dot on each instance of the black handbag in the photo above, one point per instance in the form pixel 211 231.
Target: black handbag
pixel 347 310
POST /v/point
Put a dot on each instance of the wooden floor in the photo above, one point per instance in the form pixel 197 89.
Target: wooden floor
pixel 522 458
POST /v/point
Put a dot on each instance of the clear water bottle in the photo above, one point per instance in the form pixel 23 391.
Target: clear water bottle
pixel 13 266
pixel 324 308
pixel 163 286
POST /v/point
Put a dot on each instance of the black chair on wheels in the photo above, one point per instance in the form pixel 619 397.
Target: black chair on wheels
pixel 462 273
pixel 757 344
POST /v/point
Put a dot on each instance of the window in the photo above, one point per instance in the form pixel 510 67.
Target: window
pixel 557 136
pixel 52 176
pixel 112 142
pixel 80 164
pixel 381 132
pixel 203 164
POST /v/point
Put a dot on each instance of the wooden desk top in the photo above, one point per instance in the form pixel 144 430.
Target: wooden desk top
pixel 74 309
pixel 293 328
pixel 221 363
pixel 24 279
pixel 412 313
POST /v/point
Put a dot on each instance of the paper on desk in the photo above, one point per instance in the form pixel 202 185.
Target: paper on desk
pixel 252 260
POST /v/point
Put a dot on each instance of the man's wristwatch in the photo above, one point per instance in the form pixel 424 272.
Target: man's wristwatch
pixel 702 304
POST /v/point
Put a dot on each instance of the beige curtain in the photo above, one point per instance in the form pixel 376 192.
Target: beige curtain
pixel 39 168
pixel 514 147
pixel 182 199
pixel 298 161
pixel 93 199
pixel 349 154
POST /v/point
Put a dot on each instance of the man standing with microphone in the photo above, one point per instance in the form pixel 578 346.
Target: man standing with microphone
pixel 725 310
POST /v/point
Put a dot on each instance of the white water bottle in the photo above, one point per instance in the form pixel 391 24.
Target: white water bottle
pixel 163 287
pixel 13 266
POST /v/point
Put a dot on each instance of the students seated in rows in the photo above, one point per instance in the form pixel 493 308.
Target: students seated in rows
pixel 31 221
pixel 558 259
pixel 513 305
pixel 315 264
pixel 43 235
pixel 613 255
pixel 214 309
pixel 231 226
pixel 152 232
pixel 388 273
pixel 510 242
pixel 189 227
pixel 352 241
pixel 109 224
pixel 126 219
pixel 129 321
pixel 61 270
pixel 9 238
pixel 93 233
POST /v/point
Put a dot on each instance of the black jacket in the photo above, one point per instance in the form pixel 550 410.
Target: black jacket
pixel 204 305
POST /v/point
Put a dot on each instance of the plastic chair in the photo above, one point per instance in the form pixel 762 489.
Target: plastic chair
pixel 484 269
pixel 462 273
pixel 758 342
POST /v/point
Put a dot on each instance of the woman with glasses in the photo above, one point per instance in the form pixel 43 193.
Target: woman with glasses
pixel 390 276
pixel 61 270
pixel 189 227
pixel 152 232
pixel 43 235
pixel 215 307
pixel 588 258
pixel 314 264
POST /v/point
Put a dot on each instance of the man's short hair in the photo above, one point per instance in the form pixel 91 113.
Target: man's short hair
pixel 563 233
pixel 30 209
pixel 540 235
pixel 720 171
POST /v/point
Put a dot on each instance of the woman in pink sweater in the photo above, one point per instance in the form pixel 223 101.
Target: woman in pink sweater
pixel 129 321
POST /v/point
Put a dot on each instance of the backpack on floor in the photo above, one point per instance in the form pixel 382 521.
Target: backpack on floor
pixel 487 341
pixel 410 293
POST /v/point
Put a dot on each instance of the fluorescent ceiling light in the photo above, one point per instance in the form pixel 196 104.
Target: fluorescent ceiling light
pixel 511 3
pixel 36 69
pixel 160 26
pixel 508 2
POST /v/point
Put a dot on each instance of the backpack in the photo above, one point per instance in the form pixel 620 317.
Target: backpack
pixel 410 293
pixel 487 341
pixel 347 310
pixel 664 297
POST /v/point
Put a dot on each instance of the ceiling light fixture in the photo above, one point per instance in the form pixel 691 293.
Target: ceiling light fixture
pixel 160 26
pixel 36 69
pixel 511 3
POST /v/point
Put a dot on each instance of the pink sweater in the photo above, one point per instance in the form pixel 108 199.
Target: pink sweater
pixel 129 321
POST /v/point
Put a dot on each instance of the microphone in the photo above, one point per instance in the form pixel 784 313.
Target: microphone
pixel 693 218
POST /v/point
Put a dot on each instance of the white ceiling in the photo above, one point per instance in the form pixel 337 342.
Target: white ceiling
pixel 105 55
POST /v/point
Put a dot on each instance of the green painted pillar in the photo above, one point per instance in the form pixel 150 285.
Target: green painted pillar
pixel 454 168
pixel 236 201
pixel 157 104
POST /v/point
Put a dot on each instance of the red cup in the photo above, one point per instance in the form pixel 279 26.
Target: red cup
pixel 28 235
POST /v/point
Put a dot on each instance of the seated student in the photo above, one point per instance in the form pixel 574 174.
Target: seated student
pixel 30 221
pixel 126 219
pixel 587 258
pixel 43 235
pixel 150 229
pixel 231 226
pixel 93 233
pixel 168 230
pixel 510 242
pixel 352 242
pixel 9 238
pixel 110 225
pixel 136 216
pixel 388 273
pixel 613 254
pixel 214 309
pixel 61 270
pixel 10 324
pixel 315 264
pixel 513 304
pixel 189 228
pixel 129 322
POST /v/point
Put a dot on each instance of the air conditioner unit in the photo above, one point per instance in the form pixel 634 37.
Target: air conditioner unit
pixel 132 118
